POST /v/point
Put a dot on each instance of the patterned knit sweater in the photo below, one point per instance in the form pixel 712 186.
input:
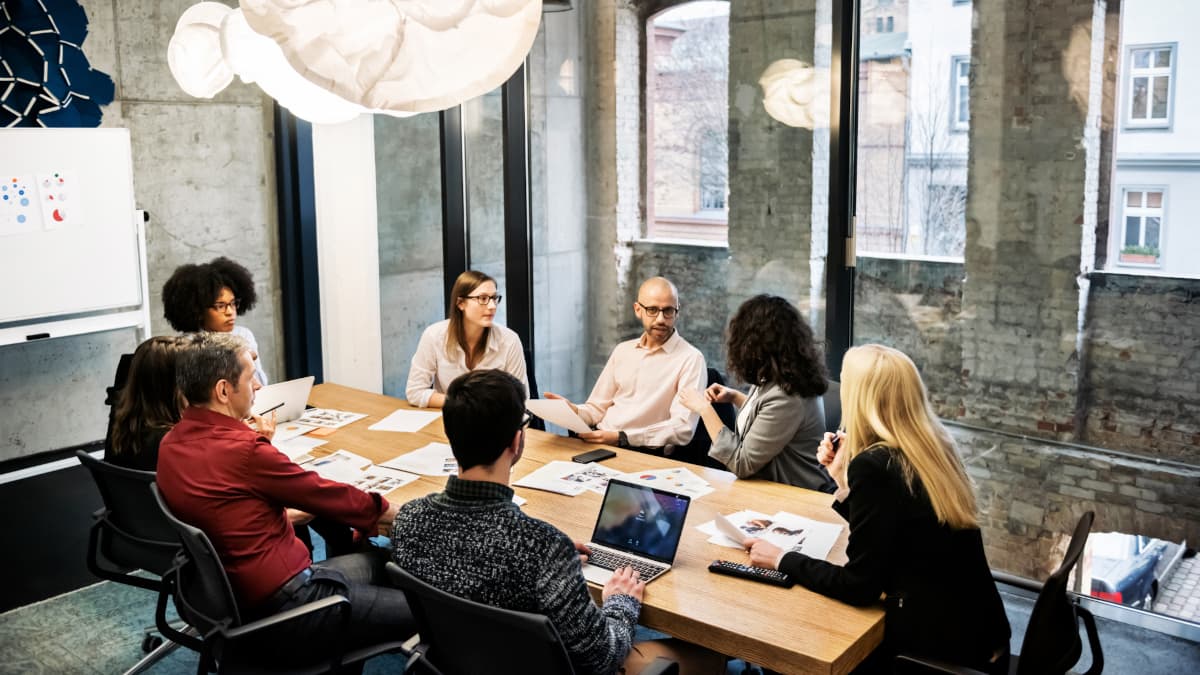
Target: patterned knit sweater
pixel 474 542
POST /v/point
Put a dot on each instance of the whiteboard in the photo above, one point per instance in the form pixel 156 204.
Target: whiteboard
pixel 68 240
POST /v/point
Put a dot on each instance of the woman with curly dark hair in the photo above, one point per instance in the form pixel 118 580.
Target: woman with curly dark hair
pixel 210 296
pixel 782 417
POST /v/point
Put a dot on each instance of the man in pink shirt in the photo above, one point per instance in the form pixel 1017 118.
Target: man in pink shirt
pixel 634 403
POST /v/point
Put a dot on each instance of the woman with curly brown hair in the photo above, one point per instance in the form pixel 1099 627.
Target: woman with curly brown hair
pixel 782 418
pixel 210 296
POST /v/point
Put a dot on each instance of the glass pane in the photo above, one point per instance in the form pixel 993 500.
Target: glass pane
pixel 1164 58
pixel 1154 200
pixel 484 149
pixel 1152 227
pixel 1133 198
pixel 1141 58
pixel 1158 108
pixel 409 197
pixel 1133 227
pixel 964 104
pixel 1138 107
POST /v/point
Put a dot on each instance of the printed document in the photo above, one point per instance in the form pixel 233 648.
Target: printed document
pixel 406 420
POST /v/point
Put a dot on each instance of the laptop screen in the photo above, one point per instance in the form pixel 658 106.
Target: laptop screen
pixel 641 520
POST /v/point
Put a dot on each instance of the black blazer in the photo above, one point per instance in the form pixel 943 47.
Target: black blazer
pixel 941 600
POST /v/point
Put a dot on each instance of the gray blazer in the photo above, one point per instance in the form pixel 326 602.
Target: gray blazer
pixel 780 441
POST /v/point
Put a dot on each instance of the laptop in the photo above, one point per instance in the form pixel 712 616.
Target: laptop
pixel 638 526
pixel 293 394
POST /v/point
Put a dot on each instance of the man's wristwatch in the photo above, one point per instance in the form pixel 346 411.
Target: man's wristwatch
pixel 622 440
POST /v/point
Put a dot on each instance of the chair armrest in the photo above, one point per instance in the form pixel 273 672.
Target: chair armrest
pixel 661 665
pixel 339 601
pixel 1016 581
pixel 919 664
pixel 1089 625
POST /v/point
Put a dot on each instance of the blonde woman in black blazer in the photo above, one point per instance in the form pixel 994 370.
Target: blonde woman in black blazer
pixel 914 531
pixel 781 419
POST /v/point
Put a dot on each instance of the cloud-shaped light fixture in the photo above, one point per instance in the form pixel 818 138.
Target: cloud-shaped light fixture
pixel 329 60
pixel 792 95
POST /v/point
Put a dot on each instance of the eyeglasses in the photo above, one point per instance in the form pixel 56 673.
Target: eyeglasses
pixel 485 300
pixel 222 307
pixel 526 419
pixel 668 312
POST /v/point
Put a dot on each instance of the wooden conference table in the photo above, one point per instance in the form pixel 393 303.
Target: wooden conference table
pixel 789 630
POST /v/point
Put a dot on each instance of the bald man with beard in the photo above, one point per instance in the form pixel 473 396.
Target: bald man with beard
pixel 635 401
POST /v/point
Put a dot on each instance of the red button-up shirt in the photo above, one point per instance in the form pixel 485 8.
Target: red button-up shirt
pixel 222 477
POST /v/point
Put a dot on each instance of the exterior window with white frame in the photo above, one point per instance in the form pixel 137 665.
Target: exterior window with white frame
pixel 960 113
pixel 1143 223
pixel 1150 73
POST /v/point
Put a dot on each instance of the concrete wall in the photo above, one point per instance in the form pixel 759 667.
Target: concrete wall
pixel 204 172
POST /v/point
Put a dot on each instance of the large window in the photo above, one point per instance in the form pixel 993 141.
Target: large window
pixel 1143 222
pixel 687 122
pixel 1150 75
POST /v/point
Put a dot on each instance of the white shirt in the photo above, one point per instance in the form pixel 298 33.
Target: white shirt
pixel 435 364
pixel 244 333
pixel 638 392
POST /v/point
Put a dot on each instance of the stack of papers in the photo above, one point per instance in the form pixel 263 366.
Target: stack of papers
pixel 297 448
pixel 406 420
pixel 346 467
pixel 330 419
pixel 678 479
pixel 569 478
pixel 435 459
pixel 788 531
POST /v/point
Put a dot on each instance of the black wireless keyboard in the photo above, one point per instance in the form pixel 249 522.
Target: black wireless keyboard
pixel 773 577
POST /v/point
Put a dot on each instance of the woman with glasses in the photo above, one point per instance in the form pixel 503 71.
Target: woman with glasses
pixel 469 340
pixel 782 417
pixel 914 525
pixel 210 296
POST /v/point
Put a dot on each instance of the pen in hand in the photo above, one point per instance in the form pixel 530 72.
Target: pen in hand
pixel 273 408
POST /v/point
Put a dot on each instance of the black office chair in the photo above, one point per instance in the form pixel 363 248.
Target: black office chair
pixel 832 401
pixel 503 641
pixel 204 598
pixel 537 422
pixel 1052 644
pixel 696 451
pixel 130 534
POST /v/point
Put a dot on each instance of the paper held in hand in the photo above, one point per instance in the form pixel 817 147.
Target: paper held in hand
pixel 557 411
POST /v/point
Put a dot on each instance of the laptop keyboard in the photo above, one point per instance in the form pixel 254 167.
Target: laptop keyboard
pixel 611 560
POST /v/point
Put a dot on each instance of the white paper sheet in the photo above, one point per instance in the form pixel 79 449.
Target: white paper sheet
pixel 405 420
pixel 343 466
pixel 289 430
pixel 296 447
pixel 565 478
pixel 381 479
pixel 557 411
pixel 788 531
pixel 435 459
pixel 677 479
pixel 330 419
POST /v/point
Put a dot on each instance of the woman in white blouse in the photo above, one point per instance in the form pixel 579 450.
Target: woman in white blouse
pixel 469 340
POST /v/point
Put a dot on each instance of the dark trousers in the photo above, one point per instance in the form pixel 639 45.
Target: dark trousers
pixel 378 612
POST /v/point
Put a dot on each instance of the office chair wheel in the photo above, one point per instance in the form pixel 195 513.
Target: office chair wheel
pixel 151 642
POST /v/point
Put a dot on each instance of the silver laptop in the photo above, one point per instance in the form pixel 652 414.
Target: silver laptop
pixel 293 394
pixel 638 526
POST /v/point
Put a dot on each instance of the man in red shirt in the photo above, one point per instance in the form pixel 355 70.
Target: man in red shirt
pixel 219 475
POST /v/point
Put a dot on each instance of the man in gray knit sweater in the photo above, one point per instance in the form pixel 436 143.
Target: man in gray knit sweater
pixel 474 542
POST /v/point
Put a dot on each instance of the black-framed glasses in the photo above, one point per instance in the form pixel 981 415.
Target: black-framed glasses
pixel 526 419
pixel 222 307
pixel 485 300
pixel 668 312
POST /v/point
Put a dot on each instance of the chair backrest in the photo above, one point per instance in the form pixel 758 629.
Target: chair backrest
pixel 132 531
pixel 466 637
pixel 1052 643
pixel 203 594
pixel 832 401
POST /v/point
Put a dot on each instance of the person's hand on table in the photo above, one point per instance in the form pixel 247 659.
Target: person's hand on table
pixel 584 551
pixel 556 397
pixel 625 581
pixel 695 400
pixel 599 436
pixel 764 554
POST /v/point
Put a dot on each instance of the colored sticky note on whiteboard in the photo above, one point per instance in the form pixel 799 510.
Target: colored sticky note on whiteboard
pixel 58 196
pixel 18 211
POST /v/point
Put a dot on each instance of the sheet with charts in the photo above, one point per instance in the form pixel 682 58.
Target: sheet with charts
pixel 568 478
pixel 788 531
pixel 346 467
pixel 434 459
pixel 675 479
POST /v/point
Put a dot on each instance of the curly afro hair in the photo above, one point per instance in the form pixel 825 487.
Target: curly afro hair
pixel 192 289
pixel 770 343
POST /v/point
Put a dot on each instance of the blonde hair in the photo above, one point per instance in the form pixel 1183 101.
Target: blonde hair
pixel 456 332
pixel 884 404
